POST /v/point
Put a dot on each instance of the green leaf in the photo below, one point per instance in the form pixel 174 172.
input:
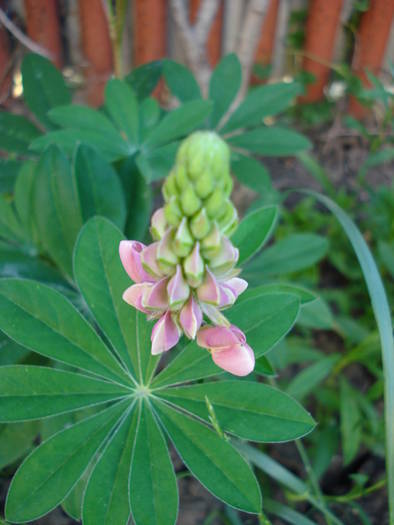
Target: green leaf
pixel 271 141
pixel 99 188
pixel 110 145
pixel 9 170
pixel 122 105
pixel 262 102
pixel 291 254
pixel 102 280
pixel 212 460
pixel 264 367
pixel 139 199
pixel 224 86
pixel 286 513
pixel 10 352
pixel 33 392
pixel 351 420
pixel 16 440
pixel 149 115
pixel 16 133
pixel 43 87
pixel 23 198
pixel 265 319
pixel 179 123
pixel 57 210
pixel 106 500
pixel 316 315
pixel 157 164
pixel 144 79
pixel 48 474
pixel 72 504
pixel 249 410
pixel 254 231
pixel 181 81
pixel 43 320
pixel 386 253
pixel 74 116
pixel 153 487
pixel 251 172
pixel 304 295
pixel 309 378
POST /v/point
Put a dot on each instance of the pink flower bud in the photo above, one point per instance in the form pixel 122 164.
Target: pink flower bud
pixel 177 289
pixel 230 290
pixel 165 334
pixel 226 258
pixel 237 285
pixel 156 298
pixel 190 318
pixel 208 291
pixel 165 253
pixel 135 295
pixel 193 266
pixel 149 261
pixel 130 255
pixel 158 224
pixel 228 347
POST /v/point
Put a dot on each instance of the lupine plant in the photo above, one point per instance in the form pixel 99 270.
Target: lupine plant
pixel 121 346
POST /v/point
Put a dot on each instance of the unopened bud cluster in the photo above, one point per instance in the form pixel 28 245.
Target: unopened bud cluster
pixel 188 272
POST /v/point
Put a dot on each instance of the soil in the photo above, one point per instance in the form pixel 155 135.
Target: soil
pixel 341 154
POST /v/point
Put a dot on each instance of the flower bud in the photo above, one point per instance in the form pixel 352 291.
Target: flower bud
pixel 214 203
pixel 181 178
pixel 165 253
pixel 200 224
pixel 177 289
pixel 212 242
pixel 158 224
pixel 169 187
pixel 165 334
pixel 172 212
pixel 226 258
pixel 228 220
pixel 149 260
pixel 193 267
pixel 157 298
pixel 205 184
pixel 189 201
pixel 208 291
pixel 183 241
pixel 190 317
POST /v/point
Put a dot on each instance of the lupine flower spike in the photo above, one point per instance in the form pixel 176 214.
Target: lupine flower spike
pixel 187 276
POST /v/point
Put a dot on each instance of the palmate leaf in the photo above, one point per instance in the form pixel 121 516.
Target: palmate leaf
pixel 115 462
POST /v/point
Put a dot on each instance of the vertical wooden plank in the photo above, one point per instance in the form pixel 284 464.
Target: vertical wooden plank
pixel 42 25
pixel 371 41
pixel 149 30
pixel 214 42
pixel 266 43
pixel 321 30
pixel 97 49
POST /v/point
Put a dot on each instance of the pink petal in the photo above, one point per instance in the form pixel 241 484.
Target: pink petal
pixel 226 258
pixel 238 360
pixel 134 295
pixel 194 266
pixel 130 255
pixel 158 224
pixel 149 261
pixel 190 318
pixel 227 296
pixel 178 290
pixel 165 334
pixel 217 337
pixel 208 291
pixel 157 298
pixel 237 285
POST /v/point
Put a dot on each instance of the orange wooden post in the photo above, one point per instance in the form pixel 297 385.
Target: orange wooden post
pixel 371 42
pixel 149 30
pixel 42 24
pixel 97 49
pixel 266 43
pixel 5 67
pixel 214 42
pixel 321 30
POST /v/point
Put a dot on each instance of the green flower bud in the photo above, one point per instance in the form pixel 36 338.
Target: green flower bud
pixel 214 203
pixel 228 218
pixel 173 212
pixel 200 224
pixel 165 253
pixel 189 201
pixel 193 266
pixel 210 245
pixel 158 224
pixel 181 178
pixel 228 186
pixel 169 187
pixel 183 241
pixel 204 185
